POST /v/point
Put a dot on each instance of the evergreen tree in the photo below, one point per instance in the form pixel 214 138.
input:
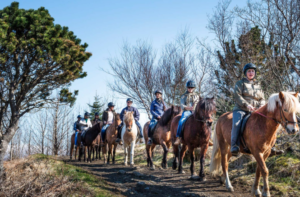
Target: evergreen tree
pixel 97 106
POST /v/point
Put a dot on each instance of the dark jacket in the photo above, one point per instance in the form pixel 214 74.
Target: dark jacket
pixel 105 115
pixel 157 108
pixel 95 121
pixel 136 113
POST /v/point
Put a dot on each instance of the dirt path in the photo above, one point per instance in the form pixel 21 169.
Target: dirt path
pixel 141 181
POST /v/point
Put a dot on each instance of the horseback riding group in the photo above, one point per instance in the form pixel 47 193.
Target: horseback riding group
pixel 251 129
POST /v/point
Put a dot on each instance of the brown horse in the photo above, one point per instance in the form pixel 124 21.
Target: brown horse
pixel 77 144
pixel 96 147
pixel 259 135
pixel 90 136
pixel 110 142
pixel 161 136
pixel 196 133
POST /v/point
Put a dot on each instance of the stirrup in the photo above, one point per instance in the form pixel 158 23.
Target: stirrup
pixel 177 141
pixel 149 141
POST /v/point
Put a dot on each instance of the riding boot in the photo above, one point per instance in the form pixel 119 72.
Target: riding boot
pixel 235 132
pixel 118 140
pixel 235 147
pixel 274 152
pixel 177 141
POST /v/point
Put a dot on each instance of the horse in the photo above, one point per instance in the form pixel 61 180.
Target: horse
pixel 96 147
pixel 161 136
pixel 259 136
pixel 88 140
pixel 77 144
pixel 111 136
pixel 129 135
pixel 196 133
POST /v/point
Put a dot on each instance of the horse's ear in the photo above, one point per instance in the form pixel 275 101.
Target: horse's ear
pixel 296 94
pixel 281 97
pixel 125 111
pixel 172 107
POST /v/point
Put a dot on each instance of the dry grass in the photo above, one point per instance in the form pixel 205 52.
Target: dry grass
pixel 38 176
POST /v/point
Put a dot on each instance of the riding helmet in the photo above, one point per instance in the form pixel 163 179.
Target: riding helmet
pixel 79 116
pixel 158 91
pixel 86 114
pixel 129 100
pixel 110 104
pixel 249 66
pixel 97 114
pixel 190 84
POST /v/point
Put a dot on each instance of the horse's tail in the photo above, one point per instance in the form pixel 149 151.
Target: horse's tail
pixel 215 163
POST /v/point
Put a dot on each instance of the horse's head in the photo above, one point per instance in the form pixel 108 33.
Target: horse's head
pixel 205 110
pixel 129 120
pixel 117 119
pixel 176 110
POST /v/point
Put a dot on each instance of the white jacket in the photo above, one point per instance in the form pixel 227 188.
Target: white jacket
pixel 85 125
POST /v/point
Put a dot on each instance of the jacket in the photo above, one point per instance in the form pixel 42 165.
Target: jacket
pixel 85 124
pixel 189 100
pixel 246 93
pixel 136 113
pixel 105 115
pixel 95 121
pixel 77 126
pixel 157 108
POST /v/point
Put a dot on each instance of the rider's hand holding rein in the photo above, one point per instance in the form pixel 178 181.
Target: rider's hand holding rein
pixel 251 108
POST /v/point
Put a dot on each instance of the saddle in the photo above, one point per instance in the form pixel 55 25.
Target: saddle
pixel 183 125
pixel 244 122
pixel 153 127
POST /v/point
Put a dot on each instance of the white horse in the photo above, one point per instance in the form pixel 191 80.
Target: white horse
pixel 129 137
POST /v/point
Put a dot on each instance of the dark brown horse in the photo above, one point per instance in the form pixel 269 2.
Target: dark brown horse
pixel 73 144
pixel 88 140
pixel 259 135
pixel 196 133
pixel 161 136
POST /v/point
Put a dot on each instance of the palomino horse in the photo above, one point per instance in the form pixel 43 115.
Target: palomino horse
pixel 88 140
pixel 77 145
pixel 196 133
pixel 111 136
pixel 129 136
pixel 259 135
pixel 161 136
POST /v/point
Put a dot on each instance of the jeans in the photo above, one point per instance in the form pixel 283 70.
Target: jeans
pixel 103 132
pixel 236 127
pixel 151 125
pixel 76 134
pixel 140 127
pixel 183 118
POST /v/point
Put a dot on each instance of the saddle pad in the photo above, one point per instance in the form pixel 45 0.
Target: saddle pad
pixel 183 125
pixel 152 129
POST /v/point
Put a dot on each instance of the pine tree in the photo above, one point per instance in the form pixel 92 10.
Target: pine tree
pixel 97 106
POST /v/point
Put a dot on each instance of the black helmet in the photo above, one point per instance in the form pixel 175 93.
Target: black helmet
pixel 190 84
pixel 97 114
pixel 158 91
pixel 129 100
pixel 249 66
pixel 86 114
pixel 110 104
pixel 79 116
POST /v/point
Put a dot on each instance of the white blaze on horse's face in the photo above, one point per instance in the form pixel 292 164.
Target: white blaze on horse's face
pixel 292 127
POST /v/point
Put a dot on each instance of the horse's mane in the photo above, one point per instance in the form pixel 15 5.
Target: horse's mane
pixel 128 117
pixel 207 104
pixel 291 103
pixel 166 117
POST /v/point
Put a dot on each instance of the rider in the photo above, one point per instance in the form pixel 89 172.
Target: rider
pixel 85 123
pixel 107 118
pixel 77 128
pixel 157 109
pixel 188 102
pixel 248 96
pixel 136 115
pixel 96 119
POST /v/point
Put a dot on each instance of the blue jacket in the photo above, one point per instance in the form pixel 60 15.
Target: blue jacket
pixel 136 113
pixel 77 126
pixel 157 108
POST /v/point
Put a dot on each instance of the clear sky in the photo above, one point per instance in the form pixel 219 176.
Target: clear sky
pixel 104 25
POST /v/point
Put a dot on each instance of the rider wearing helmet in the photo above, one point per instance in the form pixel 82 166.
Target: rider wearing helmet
pixel 157 109
pixel 188 102
pixel 248 96
pixel 96 119
pixel 77 128
pixel 107 118
pixel 85 123
pixel 136 116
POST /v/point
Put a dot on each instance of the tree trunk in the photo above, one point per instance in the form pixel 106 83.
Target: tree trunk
pixel 55 127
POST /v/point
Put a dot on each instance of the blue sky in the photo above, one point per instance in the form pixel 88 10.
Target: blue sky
pixel 105 25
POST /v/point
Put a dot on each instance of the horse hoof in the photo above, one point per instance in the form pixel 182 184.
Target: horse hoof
pixel 181 172
pixel 222 180
pixel 152 168
pixel 174 166
pixel 132 165
pixel 125 164
pixel 89 162
pixel 202 179
pixel 266 194
pixel 195 177
pixel 230 189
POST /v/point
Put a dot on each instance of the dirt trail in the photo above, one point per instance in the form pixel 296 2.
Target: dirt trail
pixel 141 181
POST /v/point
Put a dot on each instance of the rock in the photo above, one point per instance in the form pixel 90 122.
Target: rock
pixel 122 172
pixel 137 174
pixel 141 183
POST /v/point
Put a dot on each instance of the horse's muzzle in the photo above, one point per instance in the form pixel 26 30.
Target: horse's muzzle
pixel 129 130
pixel 209 123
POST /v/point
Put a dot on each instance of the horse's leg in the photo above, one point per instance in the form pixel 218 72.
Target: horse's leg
pixel 203 151
pixel 114 152
pixel 152 167
pixel 109 152
pixel 71 150
pixel 181 155
pixel 224 161
pixel 192 167
pixel 148 151
pixel 166 150
pixel 176 154
pixel 260 159
pixel 88 154
pixel 125 155
pixel 255 188
pixel 100 152
pixel 132 153
pixel 104 152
